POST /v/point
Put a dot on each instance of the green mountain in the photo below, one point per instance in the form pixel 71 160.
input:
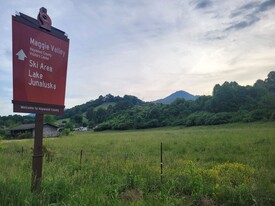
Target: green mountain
pixel 229 103
pixel 176 95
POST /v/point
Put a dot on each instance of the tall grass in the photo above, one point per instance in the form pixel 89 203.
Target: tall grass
pixel 218 165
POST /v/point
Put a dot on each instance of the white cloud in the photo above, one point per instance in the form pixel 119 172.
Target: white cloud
pixel 149 48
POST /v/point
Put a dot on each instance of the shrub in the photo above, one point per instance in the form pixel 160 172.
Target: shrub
pixel 2 132
pixel 241 116
pixel 221 118
pixel 65 132
pixel 272 117
pixel 260 114
pixel 224 184
pixel 123 125
pixel 153 123
pixel 234 182
pixel 103 126
pixel 189 181
pixel 55 190
pixel 24 135
pixel 205 118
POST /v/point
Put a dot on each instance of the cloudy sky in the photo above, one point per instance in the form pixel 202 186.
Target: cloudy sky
pixel 150 48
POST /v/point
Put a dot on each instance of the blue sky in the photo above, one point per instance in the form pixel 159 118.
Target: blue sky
pixel 151 48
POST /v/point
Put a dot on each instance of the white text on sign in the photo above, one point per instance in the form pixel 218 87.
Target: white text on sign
pixel 44 46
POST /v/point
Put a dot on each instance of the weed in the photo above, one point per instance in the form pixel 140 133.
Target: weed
pixel 218 165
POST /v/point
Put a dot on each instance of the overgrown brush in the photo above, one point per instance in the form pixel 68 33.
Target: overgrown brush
pixel 218 165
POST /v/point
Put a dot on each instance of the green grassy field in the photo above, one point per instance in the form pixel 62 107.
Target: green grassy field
pixel 216 165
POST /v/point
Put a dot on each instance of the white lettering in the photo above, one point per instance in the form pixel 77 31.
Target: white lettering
pixel 46 67
pixel 35 75
pixel 58 50
pixel 46 85
pixel 33 64
pixel 40 45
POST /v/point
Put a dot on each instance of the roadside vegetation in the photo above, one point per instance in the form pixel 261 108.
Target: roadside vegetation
pixel 232 164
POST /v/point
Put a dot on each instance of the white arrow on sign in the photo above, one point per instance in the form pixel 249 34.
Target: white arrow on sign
pixel 21 55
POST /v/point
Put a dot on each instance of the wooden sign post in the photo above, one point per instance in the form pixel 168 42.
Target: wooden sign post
pixel 37 153
pixel 40 58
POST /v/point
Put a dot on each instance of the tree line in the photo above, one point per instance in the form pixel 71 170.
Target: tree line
pixel 229 102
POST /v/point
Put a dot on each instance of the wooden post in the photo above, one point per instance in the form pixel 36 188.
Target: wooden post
pixel 37 154
pixel 161 163
pixel 22 152
pixel 81 153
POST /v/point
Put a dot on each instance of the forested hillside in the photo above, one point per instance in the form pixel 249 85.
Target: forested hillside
pixel 230 102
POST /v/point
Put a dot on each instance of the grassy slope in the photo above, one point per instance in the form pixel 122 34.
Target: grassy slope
pixel 123 167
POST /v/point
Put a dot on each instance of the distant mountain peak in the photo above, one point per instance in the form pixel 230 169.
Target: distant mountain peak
pixel 178 94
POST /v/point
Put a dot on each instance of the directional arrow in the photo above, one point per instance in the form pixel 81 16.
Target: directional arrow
pixel 21 55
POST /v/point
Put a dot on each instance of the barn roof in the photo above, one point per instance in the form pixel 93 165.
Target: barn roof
pixel 29 126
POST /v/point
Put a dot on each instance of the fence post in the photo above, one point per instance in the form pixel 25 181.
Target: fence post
pixel 81 153
pixel 161 163
pixel 22 152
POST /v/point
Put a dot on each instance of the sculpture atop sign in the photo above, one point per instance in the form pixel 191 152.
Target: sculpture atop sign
pixel 44 20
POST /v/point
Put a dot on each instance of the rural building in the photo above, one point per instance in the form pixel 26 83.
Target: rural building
pixel 49 130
